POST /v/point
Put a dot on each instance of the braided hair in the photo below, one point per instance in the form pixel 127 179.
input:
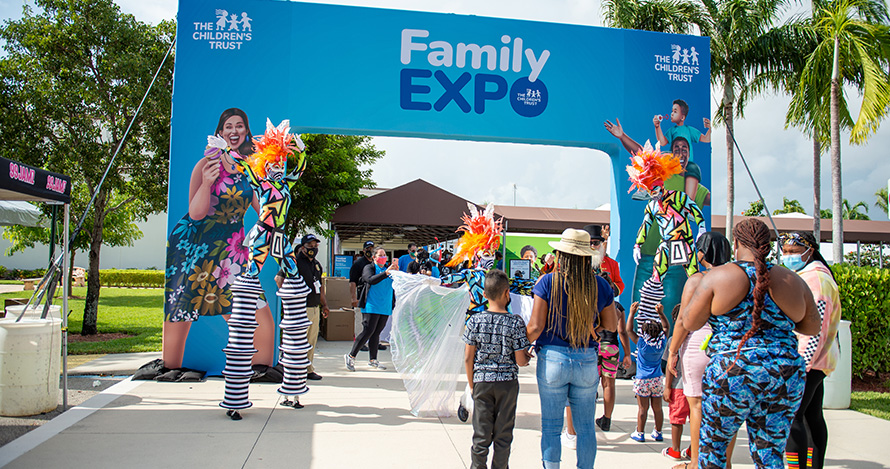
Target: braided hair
pixel 754 235
pixel 574 276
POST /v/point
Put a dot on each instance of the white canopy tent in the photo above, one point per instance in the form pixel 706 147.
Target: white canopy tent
pixel 15 212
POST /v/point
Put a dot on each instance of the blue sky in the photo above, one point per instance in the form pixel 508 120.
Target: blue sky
pixel 780 159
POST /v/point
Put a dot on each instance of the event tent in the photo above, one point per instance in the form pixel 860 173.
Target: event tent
pixel 21 182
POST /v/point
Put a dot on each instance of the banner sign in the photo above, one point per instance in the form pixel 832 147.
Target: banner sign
pixel 366 71
pixel 19 181
pixel 342 264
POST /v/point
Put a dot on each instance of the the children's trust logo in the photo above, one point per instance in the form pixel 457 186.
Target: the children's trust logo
pixel 229 32
pixel 680 65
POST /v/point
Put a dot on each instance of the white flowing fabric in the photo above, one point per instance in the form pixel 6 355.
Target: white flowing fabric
pixel 427 349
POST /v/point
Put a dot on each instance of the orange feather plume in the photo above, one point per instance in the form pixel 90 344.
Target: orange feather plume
pixel 480 232
pixel 273 147
pixel 650 168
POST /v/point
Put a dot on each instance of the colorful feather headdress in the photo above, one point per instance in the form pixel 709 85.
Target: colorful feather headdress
pixel 480 232
pixel 650 167
pixel 274 147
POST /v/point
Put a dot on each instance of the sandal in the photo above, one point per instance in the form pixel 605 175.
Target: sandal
pixel 686 453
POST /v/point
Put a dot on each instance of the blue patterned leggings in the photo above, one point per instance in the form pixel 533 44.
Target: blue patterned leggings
pixel 763 391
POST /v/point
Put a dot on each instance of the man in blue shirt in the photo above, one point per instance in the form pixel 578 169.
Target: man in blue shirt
pixel 407 258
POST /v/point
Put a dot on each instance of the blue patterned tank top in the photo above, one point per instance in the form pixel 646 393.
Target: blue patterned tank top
pixel 776 329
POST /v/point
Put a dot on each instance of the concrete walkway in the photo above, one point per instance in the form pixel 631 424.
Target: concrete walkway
pixel 358 419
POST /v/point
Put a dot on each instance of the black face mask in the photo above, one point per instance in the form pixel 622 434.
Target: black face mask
pixel 311 252
pixel 368 254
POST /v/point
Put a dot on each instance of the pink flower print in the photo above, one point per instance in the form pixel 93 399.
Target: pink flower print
pixel 226 273
pixel 222 181
pixel 237 251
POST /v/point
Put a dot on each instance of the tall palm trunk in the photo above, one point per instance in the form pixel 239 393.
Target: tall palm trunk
pixel 817 188
pixel 837 198
pixel 728 97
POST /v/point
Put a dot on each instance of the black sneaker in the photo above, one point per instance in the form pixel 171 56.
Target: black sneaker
pixel 313 376
pixel 381 347
pixel 364 348
pixel 604 423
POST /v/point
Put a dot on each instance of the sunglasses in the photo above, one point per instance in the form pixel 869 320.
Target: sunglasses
pixel 595 243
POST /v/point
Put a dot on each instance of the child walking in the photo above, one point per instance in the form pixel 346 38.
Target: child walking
pixel 678 406
pixel 651 339
pixel 496 348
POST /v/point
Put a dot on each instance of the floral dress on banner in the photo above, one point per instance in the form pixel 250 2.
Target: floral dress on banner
pixel 204 256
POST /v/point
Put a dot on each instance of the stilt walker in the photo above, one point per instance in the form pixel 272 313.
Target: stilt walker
pixel 671 210
pixel 266 169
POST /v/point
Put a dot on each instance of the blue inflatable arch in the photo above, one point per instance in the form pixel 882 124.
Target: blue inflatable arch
pixel 365 71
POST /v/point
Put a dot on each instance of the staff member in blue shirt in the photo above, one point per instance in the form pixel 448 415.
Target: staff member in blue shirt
pixel 377 301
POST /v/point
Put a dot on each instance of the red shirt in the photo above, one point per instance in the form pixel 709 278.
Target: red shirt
pixel 611 266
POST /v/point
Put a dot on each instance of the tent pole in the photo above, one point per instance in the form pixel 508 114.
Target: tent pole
pixel 52 233
pixel 66 290
pixel 504 248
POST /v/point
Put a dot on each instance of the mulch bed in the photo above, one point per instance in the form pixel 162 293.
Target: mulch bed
pixel 871 381
pixel 98 337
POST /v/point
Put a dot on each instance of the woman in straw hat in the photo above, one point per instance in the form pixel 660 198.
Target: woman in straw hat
pixel 565 326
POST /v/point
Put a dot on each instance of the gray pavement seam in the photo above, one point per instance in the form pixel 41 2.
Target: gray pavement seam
pixel 260 434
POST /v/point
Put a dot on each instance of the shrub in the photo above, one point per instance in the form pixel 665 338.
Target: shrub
pixel 18 274
pixel 131 278
pixel 865 300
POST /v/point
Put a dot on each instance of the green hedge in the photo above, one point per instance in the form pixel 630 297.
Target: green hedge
pixel 865 300
pixel 131 278
pixel 18 274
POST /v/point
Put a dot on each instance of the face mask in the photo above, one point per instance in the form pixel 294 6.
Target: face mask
pixel 311 252
pixel 412 254
pixel 381 261
pixel 486 262
pixel 368 254
pixel 794 261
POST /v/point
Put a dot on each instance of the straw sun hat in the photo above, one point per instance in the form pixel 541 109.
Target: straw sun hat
pixel 576 242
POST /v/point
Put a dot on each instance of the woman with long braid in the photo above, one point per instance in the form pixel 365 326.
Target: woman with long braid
pixel 755 375
pixel 571 305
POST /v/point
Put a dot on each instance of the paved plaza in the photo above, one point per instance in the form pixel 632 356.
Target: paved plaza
pixel 358 419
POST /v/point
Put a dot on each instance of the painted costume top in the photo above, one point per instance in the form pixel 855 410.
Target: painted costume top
pixel 204 256
pixel 475 279
pixel 776 334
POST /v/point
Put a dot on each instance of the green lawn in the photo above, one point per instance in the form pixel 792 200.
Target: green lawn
pixel 138 311
pixel 872 403
pixel 10 282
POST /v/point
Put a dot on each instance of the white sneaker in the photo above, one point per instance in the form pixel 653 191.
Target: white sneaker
pixel 350 362
pixel 569 441
pixel 376 364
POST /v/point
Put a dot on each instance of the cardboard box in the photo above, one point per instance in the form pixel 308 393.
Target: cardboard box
pixel 339 325
pixel 336 292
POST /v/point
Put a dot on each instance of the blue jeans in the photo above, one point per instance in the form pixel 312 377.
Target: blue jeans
pixel 567 374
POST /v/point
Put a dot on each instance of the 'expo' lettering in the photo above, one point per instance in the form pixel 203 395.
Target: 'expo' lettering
pixel 528 96
pixel 451 90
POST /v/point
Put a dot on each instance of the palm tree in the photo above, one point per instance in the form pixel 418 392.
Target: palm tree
pixel 664 16
pixel 740 48
pixel 851 212
pixel 882 196
pixel 853 48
